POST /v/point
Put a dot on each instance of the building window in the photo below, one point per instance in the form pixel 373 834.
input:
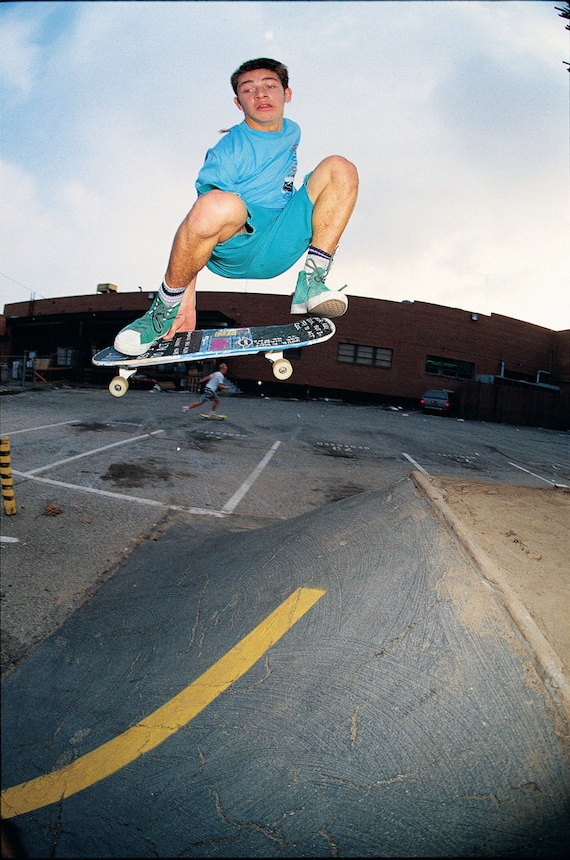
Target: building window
pixel 452 367
pixel 372 356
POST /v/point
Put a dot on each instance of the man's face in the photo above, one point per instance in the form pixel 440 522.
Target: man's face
pixel 262 99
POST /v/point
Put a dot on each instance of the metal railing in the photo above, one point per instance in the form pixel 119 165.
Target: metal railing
pixel 29 367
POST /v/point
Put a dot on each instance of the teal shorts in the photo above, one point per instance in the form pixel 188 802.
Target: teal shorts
pixel 274 241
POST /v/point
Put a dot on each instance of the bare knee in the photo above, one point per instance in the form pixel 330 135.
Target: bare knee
pixel 341 166
pixel 334 170
pixel 217 212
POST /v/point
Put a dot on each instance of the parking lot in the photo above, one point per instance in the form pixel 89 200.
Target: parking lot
pixel 95 476
pixel 132 493
pixel 144 442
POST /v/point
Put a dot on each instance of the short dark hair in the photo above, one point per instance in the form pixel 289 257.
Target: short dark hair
pixel 261 63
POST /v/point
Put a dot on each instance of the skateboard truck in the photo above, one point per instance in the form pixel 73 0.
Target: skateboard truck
pixel 282 367
pixel 119 384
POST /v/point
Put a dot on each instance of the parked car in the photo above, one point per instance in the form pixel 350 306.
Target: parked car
pixel 440 400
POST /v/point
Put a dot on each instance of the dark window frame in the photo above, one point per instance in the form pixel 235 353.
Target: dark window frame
pixel 451 368
pixel 365 356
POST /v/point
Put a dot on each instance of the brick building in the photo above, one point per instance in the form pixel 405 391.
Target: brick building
pixel 501 369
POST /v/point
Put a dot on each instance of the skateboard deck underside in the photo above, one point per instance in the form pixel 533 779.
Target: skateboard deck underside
pixel 223 342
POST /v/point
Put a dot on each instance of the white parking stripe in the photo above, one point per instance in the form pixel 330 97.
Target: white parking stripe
pixel 227 509
pixel 238 496
pixel 41 427
pixel 89 453
pixel 546 481
pixel 413 462
pixel 122 496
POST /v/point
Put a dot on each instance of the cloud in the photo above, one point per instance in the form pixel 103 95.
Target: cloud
pixel 455 114
pixel 18 58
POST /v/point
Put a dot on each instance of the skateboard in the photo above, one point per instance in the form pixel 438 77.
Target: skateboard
pixel 198 345
pixel 213 417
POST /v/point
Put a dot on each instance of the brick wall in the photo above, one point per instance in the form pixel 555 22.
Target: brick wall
pixel 495 345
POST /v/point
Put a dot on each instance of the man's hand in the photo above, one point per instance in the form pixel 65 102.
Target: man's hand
pixel 185 319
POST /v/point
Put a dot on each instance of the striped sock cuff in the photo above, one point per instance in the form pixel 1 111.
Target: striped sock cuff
pixel 317 254
pixel 169 296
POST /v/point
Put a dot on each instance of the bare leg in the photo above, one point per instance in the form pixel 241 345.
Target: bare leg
pixel 215 217
pixel 333 189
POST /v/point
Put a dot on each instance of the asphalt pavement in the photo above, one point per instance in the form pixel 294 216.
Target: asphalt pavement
pixel 255 639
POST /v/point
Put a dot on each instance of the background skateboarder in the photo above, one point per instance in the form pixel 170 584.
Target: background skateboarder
pixel 213 382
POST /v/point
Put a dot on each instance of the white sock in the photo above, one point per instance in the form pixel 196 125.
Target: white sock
pixel 319 258
pixel 169 296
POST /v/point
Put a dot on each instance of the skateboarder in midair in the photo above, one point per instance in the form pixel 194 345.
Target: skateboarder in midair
pixel 249 221
pixel 213 382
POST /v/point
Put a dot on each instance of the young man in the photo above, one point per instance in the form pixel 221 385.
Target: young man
pixel 249 221
pixel 213 382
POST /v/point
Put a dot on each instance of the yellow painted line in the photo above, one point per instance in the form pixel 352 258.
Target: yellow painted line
pixel 173 715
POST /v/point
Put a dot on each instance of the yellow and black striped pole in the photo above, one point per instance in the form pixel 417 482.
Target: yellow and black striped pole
pixel 6 473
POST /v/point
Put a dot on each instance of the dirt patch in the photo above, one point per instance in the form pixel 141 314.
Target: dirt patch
pixel 203 442
pixel 91 427
pixel 524 531
pixel 135 474
pixel 341 491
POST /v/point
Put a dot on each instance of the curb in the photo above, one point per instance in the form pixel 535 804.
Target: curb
pixel 547 661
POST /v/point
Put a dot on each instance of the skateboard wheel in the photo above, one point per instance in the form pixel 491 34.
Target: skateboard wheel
pixel 118 386
pixel 282 368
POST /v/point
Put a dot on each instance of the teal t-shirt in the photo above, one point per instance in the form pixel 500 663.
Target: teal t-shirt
pixel 260 166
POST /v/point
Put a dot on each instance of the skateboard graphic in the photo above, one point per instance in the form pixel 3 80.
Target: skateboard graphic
pixel 198 345
pixel 213 417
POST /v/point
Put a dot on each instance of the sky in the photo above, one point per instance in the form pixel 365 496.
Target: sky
pixel 455 114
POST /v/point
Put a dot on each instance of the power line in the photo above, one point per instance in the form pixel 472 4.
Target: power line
pixel 22 285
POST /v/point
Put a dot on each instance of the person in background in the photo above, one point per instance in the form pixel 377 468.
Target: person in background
pixel 213 382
